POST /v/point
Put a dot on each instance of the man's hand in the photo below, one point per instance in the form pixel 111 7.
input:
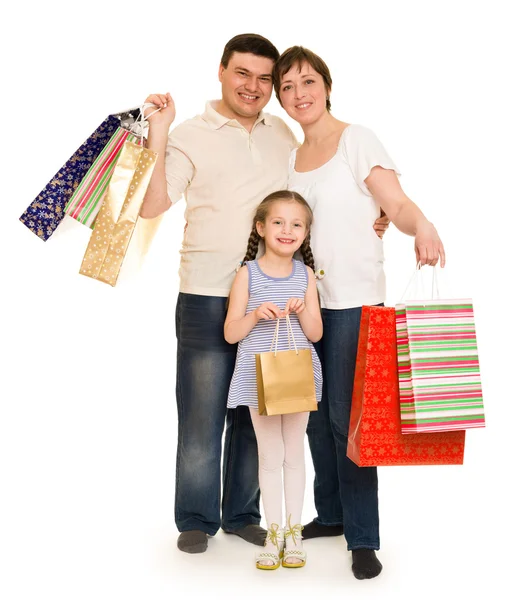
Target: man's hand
pixel 381 224
pixel 166 115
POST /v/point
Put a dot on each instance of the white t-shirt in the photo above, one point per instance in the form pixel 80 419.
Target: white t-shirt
pixel 344 243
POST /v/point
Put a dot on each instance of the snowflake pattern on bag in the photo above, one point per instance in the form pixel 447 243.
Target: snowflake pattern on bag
pixel 45 213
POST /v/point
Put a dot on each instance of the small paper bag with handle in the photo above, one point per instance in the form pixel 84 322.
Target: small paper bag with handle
pixel 285 378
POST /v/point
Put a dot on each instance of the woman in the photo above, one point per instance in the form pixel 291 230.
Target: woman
pixel 346 175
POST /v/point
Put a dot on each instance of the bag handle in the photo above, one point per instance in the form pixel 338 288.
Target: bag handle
pixel 415 280
pixel 138 126
pixel 290 334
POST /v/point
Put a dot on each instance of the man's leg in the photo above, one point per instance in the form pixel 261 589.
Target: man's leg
pixel 358 485
pixel 205 364
pixel 324 457
pixel 241 494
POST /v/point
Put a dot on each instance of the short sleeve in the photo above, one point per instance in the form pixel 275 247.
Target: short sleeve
pixel 286 132
pixel 179 169
pixel 363 152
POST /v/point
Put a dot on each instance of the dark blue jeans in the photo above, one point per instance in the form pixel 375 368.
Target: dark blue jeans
pixel 344 493
pixel 205 363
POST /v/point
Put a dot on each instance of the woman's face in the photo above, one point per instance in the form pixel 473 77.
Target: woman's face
pixel 303 94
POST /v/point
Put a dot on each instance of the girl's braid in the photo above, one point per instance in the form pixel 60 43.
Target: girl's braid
pixel 306 251
pixel 253 243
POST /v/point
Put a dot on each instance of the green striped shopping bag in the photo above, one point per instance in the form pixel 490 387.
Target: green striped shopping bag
pixel 87 199
pixel 439 377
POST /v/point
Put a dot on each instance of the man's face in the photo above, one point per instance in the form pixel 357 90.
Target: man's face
pixel 246 83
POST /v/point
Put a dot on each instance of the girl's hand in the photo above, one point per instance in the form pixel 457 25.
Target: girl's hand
pixel 267 311
pixel 166 115
pixel 296 305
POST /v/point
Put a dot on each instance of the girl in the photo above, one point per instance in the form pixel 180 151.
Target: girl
pixel 346 176
pixel 272 287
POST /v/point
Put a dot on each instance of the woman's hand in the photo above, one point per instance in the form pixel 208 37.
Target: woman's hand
pixel 267 311
pixel 166 115
pixel 428 245
pixel 296 305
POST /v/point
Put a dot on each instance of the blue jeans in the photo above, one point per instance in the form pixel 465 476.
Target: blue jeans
pixel 205 363
pixel 344 493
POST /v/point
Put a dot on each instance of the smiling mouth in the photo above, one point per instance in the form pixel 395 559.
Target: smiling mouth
pixel 303 106
pixel 285 241
pixel 248 97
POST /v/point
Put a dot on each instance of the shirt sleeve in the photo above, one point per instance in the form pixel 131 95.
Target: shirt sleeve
pixel 286 131
pixel 364 151
pixel 179 169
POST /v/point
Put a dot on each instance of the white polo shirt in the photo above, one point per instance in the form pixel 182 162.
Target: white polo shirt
pixel 224 172
pixel 344 243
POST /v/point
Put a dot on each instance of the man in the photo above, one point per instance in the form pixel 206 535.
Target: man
pixel 224 162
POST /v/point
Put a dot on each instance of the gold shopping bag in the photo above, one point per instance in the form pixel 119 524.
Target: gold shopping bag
pixel 285 378
pixel 118 215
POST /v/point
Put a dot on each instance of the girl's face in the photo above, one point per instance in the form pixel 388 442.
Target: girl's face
pixel 285 227
pixel 303 94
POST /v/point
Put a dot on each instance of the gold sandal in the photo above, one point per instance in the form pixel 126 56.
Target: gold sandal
pixel 276 538
pixel 295 534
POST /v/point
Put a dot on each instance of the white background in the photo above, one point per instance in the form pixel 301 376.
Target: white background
pixel 88 418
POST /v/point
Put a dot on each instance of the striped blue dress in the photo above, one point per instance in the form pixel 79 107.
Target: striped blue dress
pixel 263 288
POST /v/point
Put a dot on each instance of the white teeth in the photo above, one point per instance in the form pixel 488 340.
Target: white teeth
pixel 302 105
pixel 249 97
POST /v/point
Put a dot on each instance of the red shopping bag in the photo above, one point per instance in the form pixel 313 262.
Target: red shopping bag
pixel 375 437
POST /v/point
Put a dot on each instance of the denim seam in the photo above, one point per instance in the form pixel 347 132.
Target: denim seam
pixel 229 460
pixel 180 420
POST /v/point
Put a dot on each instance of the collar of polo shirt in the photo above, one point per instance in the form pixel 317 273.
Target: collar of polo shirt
pixel 216 120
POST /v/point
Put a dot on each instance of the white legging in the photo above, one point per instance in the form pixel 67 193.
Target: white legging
pixel 281 446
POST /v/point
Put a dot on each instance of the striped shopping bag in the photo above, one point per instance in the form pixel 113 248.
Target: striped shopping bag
pixel 87 199
pixel 439 378
pixel 47 210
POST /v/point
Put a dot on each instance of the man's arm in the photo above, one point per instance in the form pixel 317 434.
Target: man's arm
pixel 156 201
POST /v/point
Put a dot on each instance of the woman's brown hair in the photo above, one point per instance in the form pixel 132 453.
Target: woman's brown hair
pixel 261 214
pixel 297 55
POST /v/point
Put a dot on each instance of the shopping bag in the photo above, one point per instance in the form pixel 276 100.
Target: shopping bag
pixel 375 437
pixel 439 376
pixel 45 213
pixel 86 201
pixel 285 378
pixel 118 214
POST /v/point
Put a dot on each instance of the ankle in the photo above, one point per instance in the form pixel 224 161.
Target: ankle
pixel 275 537
pixel 293 536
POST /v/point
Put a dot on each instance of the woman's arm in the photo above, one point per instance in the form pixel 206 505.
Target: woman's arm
pixel 384 186
pixel 308 310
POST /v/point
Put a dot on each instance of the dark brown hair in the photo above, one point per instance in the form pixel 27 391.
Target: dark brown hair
pixel 261 214
pixel 296 56
pixel 249 43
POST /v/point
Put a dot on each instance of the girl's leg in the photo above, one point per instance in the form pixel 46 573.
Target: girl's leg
pixel 271 455
pixel 293 431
